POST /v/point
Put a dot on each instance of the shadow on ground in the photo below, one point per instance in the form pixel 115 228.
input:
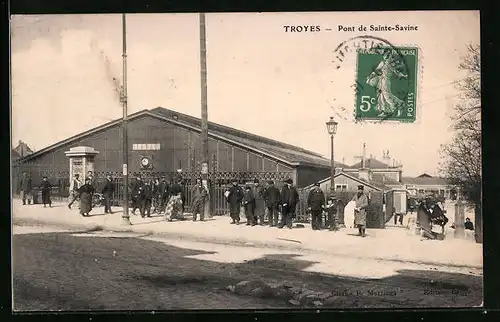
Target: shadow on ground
pixel 58 271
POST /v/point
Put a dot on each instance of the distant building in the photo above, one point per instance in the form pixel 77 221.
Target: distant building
pixel 424 184
pixel 21 150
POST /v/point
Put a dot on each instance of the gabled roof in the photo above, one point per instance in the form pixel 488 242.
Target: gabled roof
pixel 425 181
pixel 283 152
pixel 22 149
pixel 354 176
pixel 380 177
pixel 371 163
pixel 424 175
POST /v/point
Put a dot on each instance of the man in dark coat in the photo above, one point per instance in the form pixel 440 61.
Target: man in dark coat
pixel 26 188
pixel 360 210
pixel 145 199
pixel 163 193
pixel 107 191
pixel 468 224
pixel 136 187
pixel 272 199
pixel 316 204
pixel 234 198
pixel 260 203
pixel 249 204
pixel 92 178
pixel 289 200
pixel 46 187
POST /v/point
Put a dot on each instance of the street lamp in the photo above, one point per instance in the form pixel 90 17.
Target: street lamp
pixel 331 126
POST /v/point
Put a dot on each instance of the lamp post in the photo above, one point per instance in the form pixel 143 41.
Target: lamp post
pixel 331 126
pixel 125 215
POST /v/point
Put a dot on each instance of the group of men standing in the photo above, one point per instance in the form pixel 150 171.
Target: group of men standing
pixel 256 199
pixel 27 190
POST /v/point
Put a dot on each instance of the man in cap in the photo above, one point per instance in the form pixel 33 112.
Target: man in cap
pixel 360 209
pixel 260 203
pixel 75 184
pixel 107 191
pixel 316 204
pixel 272 199
pixel 26 188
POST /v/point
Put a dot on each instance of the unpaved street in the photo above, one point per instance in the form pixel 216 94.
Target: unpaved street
pixel 61 270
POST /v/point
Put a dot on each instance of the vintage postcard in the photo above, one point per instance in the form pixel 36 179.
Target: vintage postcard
pixel 246 161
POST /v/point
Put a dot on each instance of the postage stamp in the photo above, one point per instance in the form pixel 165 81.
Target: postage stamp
pixel 387 79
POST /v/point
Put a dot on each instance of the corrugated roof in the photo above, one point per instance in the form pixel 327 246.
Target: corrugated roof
pixel 425 181
pixel 279 149
pixel 275 149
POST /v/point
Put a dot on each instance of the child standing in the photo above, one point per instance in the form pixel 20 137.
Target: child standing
pixel 331 211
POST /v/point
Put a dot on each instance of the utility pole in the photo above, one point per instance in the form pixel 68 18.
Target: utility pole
pixel 125 215
pixel 204 110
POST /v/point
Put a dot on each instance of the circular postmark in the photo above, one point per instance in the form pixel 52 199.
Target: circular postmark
pixel 385 83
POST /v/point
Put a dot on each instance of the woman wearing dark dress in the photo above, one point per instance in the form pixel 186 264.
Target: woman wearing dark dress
pixel 46 187
pixel 86 192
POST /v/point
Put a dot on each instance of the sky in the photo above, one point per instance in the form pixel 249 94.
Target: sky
pixel 261 79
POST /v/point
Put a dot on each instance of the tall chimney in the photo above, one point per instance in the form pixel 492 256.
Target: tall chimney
pixel 363 157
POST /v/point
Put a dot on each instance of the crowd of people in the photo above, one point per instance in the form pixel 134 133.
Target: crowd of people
pixel 260 203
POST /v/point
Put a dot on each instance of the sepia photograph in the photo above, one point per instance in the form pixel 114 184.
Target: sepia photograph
pixel 204 161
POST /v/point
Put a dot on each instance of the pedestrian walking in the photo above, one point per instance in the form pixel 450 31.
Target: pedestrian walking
pixel 260 203
pixel 289 199
pixel 92 178
pixel 136 188
pixel 74 186
pixel 145 199
pixel 26 188
pixel 331 214
pixel 234 197
pixel 107 191
pixel 199 196
pixel 316 205
pixel 249 204
pixel 178 188
pixel 361 205
pixel 272 199
pixel 86 192
pixel 46 187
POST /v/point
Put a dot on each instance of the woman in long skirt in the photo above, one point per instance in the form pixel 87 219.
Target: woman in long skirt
pixel 86 192
pixel 46 187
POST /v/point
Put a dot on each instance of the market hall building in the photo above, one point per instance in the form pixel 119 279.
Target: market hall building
pixel 163 142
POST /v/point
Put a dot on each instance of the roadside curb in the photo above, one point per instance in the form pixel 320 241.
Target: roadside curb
pixel 217 240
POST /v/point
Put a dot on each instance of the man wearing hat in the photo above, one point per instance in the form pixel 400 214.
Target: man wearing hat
pixel 272 199
pixel 163 194
pixel 135 191
pixel 289 199
pixel 107 191
pixel 361 200
pixel 260 203
pixel 316 204
pixel 234 198
pixel 249 204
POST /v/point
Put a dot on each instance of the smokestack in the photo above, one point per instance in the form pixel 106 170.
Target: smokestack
pixel 363 157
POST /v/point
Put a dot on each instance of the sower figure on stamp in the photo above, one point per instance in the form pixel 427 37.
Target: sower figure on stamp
pixel 46 187
pixel 316 204
pixel 26 188
pixel 272 197
pixel 199 195
pixel 260 203
pixel 145 199
pixel 234 198
pixel 107 191
pixel 249 203
pixel 361 200
pixel 331 212
pixel 75 185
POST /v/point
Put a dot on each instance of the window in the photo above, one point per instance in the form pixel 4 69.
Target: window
pixel 145 146
pixel 340 187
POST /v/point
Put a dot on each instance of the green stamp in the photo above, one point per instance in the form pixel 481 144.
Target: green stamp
pixel 387 84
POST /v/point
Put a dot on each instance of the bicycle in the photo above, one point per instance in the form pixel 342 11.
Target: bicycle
pixel 97 200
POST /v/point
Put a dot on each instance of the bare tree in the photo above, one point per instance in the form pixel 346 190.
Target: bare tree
pixel 462 163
